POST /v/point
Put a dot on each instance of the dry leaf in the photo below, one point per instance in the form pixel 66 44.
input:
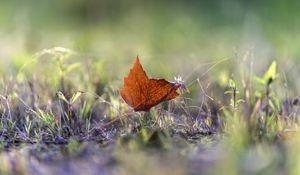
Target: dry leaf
pixel 142 93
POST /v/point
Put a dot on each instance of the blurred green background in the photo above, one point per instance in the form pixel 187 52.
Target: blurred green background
pixel 171 37
pixel 212 40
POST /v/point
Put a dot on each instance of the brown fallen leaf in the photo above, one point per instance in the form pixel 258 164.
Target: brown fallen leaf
pixel 142 93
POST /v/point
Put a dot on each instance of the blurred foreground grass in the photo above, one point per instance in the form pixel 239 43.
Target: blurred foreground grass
pixel 62 63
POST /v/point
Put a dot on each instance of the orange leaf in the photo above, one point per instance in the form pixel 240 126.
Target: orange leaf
pixel 142 93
